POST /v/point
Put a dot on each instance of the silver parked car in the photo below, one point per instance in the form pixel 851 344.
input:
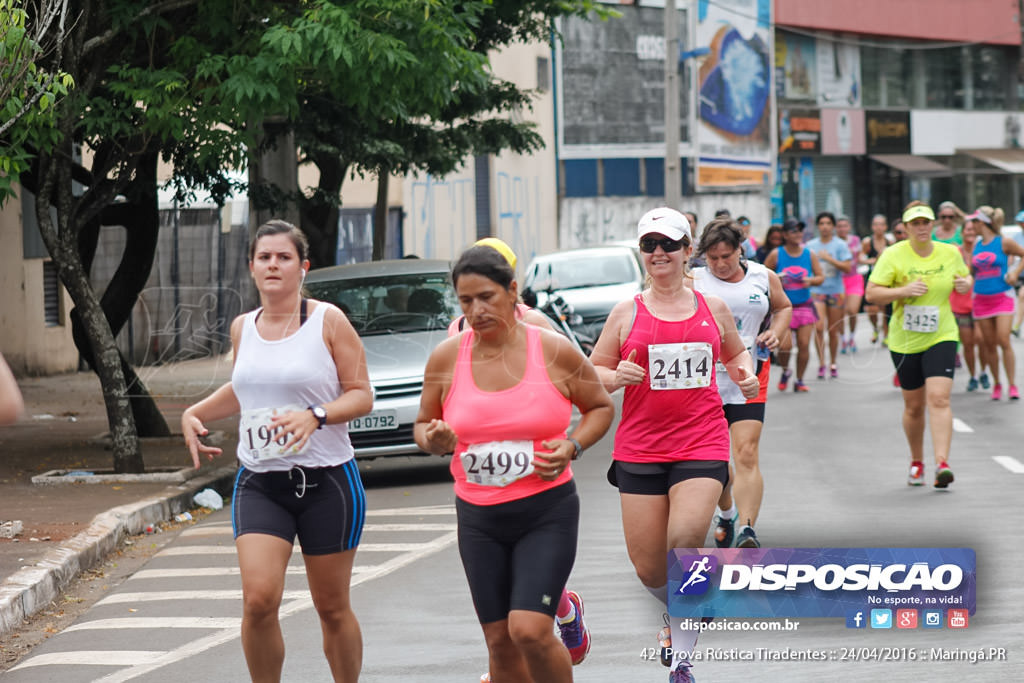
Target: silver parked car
pixel 591 280
pixel 401 310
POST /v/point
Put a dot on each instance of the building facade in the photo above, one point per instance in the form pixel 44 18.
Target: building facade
pixel 883 102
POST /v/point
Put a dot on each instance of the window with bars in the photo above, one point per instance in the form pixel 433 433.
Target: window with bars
pixel 51 295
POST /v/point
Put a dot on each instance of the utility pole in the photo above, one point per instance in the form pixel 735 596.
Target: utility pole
pixel 673 174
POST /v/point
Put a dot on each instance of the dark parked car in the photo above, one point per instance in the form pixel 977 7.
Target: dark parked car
pixel 591 280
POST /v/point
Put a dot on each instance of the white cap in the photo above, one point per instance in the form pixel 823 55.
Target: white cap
pixel 664 221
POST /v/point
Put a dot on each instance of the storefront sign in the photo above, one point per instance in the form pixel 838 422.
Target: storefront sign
pixel 842 131
pixel 887 132
pixel 799 131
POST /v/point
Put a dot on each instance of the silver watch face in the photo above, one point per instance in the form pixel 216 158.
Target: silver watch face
pixel 319 412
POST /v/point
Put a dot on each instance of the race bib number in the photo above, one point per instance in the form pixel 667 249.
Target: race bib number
pixel 921 318
pixel 261 439
pixel 497 463
pixel 680 366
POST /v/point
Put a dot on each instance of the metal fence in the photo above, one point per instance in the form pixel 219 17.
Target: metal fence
pixel 198 284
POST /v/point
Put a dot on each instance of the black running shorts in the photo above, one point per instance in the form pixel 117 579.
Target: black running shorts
pixel 656 478
pixel 914 368
pixel 736 412
pixel 324 506
pixel 518 555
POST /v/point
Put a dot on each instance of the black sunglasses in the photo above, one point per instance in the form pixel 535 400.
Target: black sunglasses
pixel 649 244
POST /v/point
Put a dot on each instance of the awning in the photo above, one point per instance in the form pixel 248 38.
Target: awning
pixel 908 163
pixel 1009 160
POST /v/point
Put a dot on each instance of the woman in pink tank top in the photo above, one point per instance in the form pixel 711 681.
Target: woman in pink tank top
pixel 671 453
pixel 499 396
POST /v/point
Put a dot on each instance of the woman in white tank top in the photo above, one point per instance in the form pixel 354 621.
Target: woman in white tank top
pixel 299 376
pixel 762 311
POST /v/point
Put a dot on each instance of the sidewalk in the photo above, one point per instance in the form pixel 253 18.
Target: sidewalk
pixel 70 527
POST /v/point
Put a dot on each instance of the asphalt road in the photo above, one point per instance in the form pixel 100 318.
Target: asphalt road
pixel 834 462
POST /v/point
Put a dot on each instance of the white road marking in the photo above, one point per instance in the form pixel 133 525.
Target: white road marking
pixel 1010 463
pixel 205 530
pixel 213 640
pixel 961 426
pixel 412 512
pixel 188 550
pixel 158 622
pixel 187 573
pixel 188 596
pixel 409 527
pixel 141 662
pixel 93 658
pixel 226 531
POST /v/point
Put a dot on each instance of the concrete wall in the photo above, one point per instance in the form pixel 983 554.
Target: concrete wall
pixel 595 220
pixel 440 219
pixel 28 344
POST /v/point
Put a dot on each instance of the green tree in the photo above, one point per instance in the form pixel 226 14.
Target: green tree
pixel 139 98
pixel 209 84
pixel 28 92
pixel 406 86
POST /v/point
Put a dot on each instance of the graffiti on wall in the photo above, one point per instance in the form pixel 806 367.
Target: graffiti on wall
pixel 442 217
pixel 519 214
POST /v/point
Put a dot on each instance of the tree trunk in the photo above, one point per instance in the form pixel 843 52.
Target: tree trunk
pixel 380 217
pixel 320 212
pixel 141 221
pixel 62 243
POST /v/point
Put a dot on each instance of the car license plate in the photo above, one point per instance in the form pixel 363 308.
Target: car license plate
pixel 378 420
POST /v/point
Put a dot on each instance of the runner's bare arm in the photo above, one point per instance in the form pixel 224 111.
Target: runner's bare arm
pixel 818 276
pixel 782 313
pixel 11 403
pixel 613 371
pixel 734 354
pixel 431 432
pixel 578 380
pixel 356 397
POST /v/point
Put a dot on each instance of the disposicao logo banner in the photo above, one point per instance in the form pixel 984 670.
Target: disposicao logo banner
pixel 817 582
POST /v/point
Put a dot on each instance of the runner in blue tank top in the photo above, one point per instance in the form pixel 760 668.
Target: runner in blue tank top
pixel 799 270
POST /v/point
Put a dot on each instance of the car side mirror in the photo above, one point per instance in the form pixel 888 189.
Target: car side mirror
pixel 529 297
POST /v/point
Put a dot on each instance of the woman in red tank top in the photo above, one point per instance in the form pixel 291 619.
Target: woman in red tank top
pixel 499 396
pixel 671 454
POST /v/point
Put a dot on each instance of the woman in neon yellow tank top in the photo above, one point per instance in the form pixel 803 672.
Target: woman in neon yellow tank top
pixel 917 276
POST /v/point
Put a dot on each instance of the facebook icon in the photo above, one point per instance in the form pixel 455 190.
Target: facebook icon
pixel 856 619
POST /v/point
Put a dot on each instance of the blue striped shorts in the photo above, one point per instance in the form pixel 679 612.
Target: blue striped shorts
pixel 324 506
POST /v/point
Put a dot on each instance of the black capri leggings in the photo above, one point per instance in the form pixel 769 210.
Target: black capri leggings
pixel 518 555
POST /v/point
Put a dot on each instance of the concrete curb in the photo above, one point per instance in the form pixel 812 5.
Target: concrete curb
pixel 33 588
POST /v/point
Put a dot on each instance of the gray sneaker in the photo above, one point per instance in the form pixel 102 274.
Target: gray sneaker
pixel 746 538
pixel 724 531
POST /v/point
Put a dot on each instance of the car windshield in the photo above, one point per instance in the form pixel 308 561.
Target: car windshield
pixel 589 271
pixel 393 303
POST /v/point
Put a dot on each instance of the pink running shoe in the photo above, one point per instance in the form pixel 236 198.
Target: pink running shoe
pixel 1014 394
pixel 997 392
pixel 575 634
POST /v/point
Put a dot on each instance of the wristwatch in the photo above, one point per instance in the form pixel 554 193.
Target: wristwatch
pixel 578 448
pixel 320 413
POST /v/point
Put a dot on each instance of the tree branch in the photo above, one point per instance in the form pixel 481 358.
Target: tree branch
pixel 154 9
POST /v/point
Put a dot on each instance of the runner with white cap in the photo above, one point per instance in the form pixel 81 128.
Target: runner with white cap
pixel 671 453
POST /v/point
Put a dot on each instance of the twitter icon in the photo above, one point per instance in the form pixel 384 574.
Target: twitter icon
pixel 881 618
